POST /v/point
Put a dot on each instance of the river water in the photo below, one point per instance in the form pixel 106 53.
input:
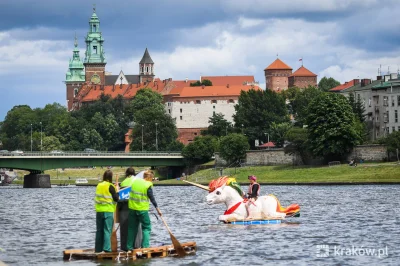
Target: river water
pixel 36 225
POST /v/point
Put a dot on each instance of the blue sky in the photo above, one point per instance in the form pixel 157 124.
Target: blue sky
pixel 344 39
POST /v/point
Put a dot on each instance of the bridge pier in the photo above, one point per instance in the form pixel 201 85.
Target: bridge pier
pixel 37 181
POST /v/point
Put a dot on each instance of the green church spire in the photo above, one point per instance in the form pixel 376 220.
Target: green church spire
pixel 75 71
pixel 94 42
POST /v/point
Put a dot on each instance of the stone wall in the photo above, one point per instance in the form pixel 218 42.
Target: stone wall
pixel 278 157
pixel 369 153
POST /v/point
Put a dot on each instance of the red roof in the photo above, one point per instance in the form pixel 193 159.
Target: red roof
pixel 212 91
pixel 344 86
pixel 303 72
pixel 231 80
pixel 278 64
pixel 266 145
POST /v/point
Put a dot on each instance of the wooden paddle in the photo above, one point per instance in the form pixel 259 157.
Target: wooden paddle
pixel 178 247
pixel 197 185
pixel 114 240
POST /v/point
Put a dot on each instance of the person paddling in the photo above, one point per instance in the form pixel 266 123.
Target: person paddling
pixel 129 176
pixel 105 202
pixel 139 203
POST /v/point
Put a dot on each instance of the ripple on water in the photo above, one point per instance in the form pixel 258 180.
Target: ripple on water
pixel 37 225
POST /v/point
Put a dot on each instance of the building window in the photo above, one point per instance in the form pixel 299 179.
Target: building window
pixel 180 117
pixel 169 111
pixel 214 106
pixel 385 101
pixel 95 49
pixel 393 129
pixel 213 112
pixel 395 116
pixel 195 133
pixel 214 101
pixel 181 110
pixel 94 28
pixel 398 100
pixel 147 69
pixel 231 101
pixel 198 102
pixel 392 100
pixel 369 102
pixel 141 70
pixel 76 92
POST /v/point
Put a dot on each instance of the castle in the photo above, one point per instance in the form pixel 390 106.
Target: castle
pixel 191 107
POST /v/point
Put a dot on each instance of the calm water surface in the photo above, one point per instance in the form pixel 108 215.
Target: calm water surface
pixel 36 225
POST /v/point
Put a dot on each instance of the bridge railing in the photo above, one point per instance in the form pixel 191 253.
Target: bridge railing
pixel 98 154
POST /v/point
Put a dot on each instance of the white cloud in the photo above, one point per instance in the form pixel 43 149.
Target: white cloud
pixel 297 6
pixel 29 56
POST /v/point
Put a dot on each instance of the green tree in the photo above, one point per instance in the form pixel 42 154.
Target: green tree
pixel 278 132
pixel 325 84
pixel 297 138
pixel 92 139
pixel 51 143
pixel 358 107
pixel 299 99
pixel 255 112
pixel 200 150
pixel 151 122
pixel 204 82
pixel 233 147
pixel 331 126
pixel 392 142
pixel 218 126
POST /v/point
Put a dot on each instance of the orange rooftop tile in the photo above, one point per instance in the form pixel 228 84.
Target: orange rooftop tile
pixel 231 80
pixel 278 64
pixel 303 72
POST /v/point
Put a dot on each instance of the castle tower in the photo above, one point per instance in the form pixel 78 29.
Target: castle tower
pixel 146 68
pixel 95 61
pixel 276 75
pixel 302 78
pixel 75 76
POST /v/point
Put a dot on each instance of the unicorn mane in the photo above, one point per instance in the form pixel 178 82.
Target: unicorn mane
pixel 225 180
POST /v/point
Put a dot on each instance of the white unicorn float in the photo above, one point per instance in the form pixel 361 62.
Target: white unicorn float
pixel 265 210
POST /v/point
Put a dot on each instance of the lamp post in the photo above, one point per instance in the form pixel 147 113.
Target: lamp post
pixel 267 134
pixel 41 142
pixel 156 138
pixel 31 138
pixel 142 137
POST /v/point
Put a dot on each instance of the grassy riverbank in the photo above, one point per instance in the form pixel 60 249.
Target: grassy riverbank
pixel 364 173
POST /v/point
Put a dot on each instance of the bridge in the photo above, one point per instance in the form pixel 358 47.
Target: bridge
pixel 37 162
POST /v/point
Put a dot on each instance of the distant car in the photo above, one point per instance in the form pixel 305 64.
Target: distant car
pixel 56 152
pixel 4 152
pixel 17 152
pixel 88 150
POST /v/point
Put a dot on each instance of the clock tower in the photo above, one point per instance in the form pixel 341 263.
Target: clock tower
pixel 95 61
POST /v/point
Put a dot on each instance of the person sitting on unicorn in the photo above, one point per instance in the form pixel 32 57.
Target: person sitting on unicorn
pixel 254 188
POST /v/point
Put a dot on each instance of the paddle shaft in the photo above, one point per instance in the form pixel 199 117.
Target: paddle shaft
pixel 180 251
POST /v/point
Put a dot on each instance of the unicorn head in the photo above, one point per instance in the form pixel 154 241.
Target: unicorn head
pixel 223 190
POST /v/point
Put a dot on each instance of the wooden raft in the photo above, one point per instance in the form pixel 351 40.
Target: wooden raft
pixel 142 253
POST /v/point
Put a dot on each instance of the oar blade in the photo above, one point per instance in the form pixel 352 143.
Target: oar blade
pixel 178 247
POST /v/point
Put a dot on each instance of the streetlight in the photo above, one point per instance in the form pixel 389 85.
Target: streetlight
pixel 156 138
pixel 31 138
pixel 142 137
pixel 267 134
pixel 41 143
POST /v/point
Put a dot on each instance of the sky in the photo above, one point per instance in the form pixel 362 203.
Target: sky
pixel 343 39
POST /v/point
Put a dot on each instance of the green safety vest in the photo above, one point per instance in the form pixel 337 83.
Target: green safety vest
pixel 138 199
pixel 103 199
pixel 127 182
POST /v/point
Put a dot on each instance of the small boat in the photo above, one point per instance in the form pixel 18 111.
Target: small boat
pixel 81 181
pixel 141 253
